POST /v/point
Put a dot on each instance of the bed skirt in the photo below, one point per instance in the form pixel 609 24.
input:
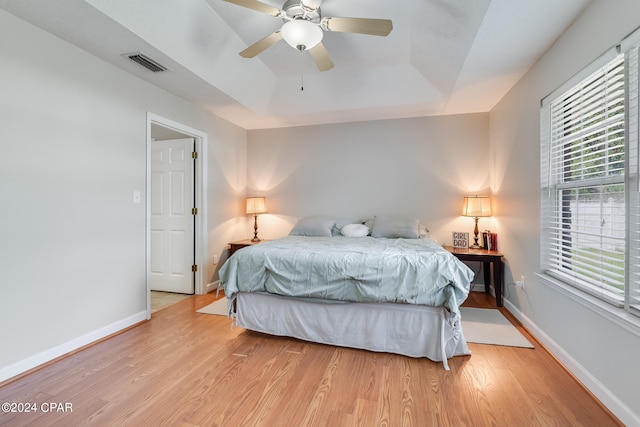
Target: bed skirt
pixel 410 330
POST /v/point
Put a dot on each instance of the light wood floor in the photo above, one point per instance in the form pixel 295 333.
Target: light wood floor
pixel 191 369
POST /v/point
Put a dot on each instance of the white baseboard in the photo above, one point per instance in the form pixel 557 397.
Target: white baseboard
pixel 76 343
pixel 611 401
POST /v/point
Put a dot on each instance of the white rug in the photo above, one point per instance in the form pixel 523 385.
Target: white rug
pixel 218 308
pixel 489 326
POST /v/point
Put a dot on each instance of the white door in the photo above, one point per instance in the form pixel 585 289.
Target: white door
pixel 171 216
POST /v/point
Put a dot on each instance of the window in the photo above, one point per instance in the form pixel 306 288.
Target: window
pixel 589 189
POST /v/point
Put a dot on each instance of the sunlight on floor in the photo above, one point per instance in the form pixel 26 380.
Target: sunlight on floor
pixel 160 300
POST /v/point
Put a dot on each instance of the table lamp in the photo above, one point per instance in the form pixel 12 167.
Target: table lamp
pixel 476 206
pixel 256 206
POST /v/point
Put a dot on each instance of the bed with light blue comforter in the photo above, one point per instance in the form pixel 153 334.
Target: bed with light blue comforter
pixel 356 269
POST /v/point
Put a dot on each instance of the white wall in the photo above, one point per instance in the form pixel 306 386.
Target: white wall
pixel 420 167
pixel 601 353
pixel 73 150
pixel 73 137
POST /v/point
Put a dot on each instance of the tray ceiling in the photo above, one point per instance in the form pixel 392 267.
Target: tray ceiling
pixel 442 57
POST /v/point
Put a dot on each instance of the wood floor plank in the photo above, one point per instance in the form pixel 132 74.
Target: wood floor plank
pixel 185 368
pixel 318 400
pixel 365 413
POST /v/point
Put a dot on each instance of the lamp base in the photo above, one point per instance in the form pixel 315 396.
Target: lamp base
pixel 255 229
pixel 475 237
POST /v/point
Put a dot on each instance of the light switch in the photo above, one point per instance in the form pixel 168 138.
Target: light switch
pixel 136 196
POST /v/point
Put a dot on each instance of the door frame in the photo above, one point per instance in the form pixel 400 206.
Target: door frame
pixel 200 183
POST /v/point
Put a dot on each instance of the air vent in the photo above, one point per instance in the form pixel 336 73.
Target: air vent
pixel 146 62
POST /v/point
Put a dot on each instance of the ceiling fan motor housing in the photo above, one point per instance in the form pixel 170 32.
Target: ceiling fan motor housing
pixel 296 10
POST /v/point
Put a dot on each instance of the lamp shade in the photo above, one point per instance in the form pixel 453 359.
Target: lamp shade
pixel 256 205
pixel 301 34
pixel 476 206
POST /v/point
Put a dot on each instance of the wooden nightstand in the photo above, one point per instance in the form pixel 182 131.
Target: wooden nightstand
pixel 486 258
pixel 241 244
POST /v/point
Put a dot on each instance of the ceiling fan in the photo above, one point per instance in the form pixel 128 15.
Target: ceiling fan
pixel 304 27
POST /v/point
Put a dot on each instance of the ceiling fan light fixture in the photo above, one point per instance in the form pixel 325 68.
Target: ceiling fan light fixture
pixel 301 34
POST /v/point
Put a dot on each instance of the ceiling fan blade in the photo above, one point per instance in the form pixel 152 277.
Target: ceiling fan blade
pixel 321 57
pixel 375 27
pixel 261 45
pixel 256 5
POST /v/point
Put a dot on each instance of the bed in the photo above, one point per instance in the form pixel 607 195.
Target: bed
pixel 386 287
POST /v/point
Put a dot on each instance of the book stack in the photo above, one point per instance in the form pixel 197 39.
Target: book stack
pixel 489 240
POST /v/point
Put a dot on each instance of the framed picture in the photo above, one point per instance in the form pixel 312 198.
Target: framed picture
pixel 460 239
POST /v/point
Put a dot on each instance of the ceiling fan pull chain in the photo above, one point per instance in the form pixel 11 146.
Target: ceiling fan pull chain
pixel 301 72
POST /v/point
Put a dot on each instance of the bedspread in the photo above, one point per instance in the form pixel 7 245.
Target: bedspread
pixel 357 269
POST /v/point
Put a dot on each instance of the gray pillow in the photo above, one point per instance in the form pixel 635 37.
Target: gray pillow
pixel 369 223
pixel 395 227
pixel 313 226
pixel 423 231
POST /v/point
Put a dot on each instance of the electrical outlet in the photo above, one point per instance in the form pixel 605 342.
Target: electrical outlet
pixel 521 282
pixel 215 259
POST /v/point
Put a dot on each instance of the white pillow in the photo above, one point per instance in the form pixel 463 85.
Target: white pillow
pixel 355 230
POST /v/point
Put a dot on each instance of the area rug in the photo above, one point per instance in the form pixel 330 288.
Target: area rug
pixel 489 326
pixel 218 308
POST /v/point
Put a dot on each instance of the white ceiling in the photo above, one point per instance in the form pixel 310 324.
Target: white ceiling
pixel 442 57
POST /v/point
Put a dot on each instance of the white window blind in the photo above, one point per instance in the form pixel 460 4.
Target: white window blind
pixel 590 186
pixel 632 300
pixel 583 184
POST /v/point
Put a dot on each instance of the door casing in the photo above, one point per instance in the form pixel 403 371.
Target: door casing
pixel 201 244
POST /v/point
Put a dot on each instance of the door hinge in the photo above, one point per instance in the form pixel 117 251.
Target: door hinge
pixel 194 154
pixel 194 267
pixel 194 211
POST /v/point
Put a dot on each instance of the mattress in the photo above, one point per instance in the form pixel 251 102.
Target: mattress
pixel 354 269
